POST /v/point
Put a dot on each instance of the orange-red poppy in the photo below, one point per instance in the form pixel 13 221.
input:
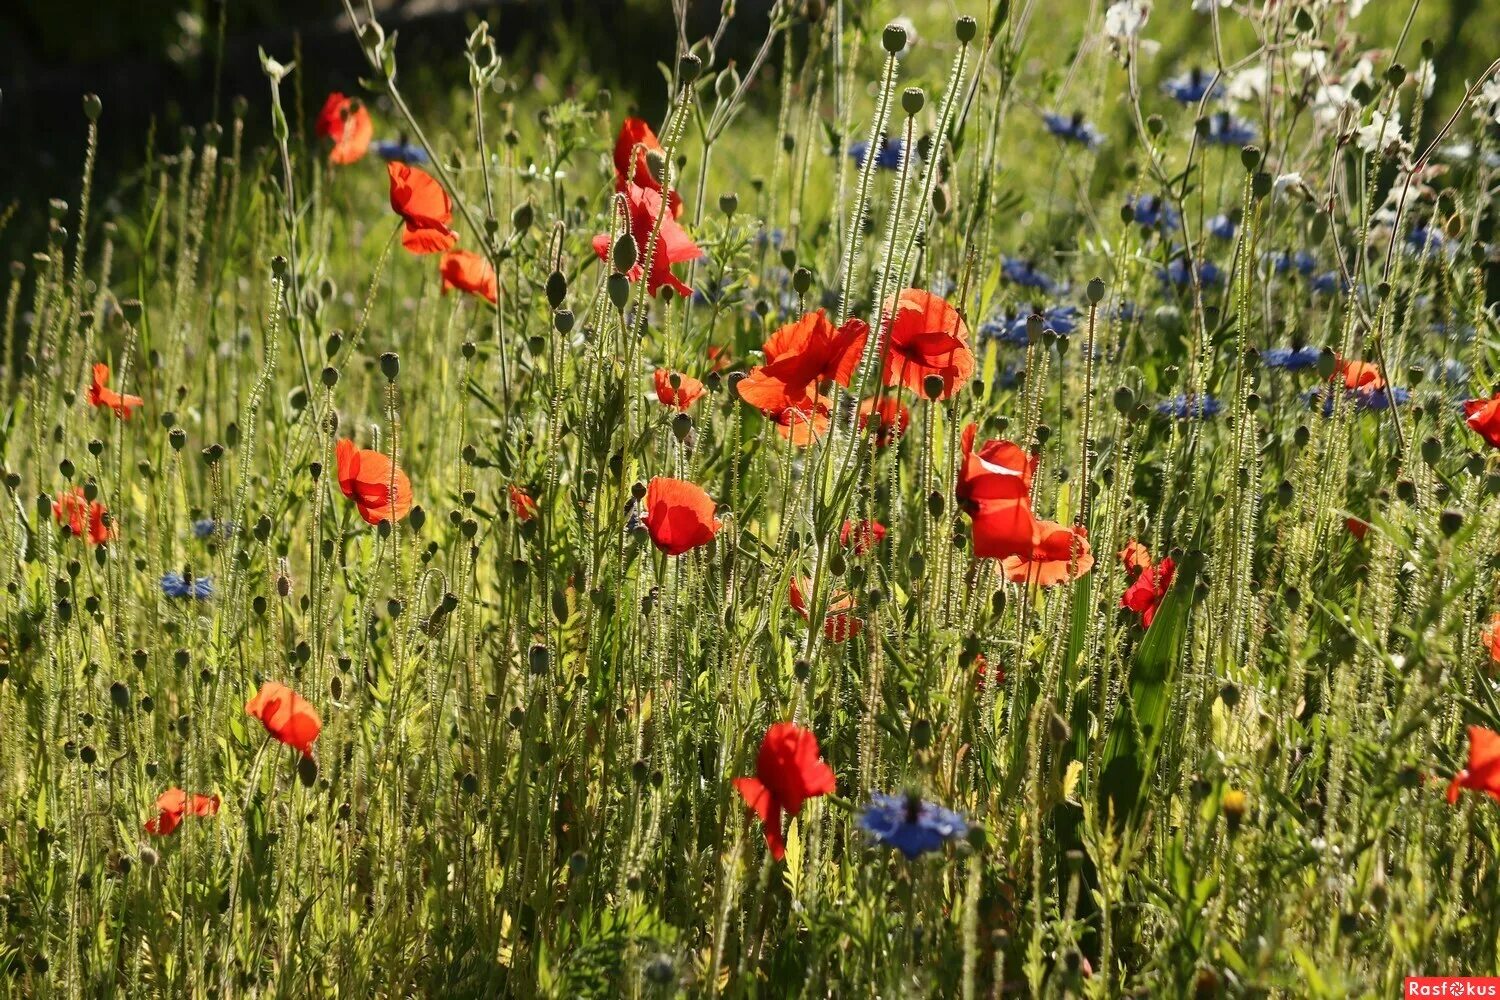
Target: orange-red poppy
pixel 1490 636
pixel 982 673
pixel 789 770
pixel 287 716
pixel 425 208
pixel 521 503
pixel 861 535
pixel 347 122
pixel 1004 529
pixel 636 135
pixel 679 515
pixel 1135 556
pixel 685 395
pixel 1358 375
pixel 719 359
pixel 81 516
pixel 889 417
pixel 804 424
pixel 173 804
pixel 101 395
pixel 997 470
pixel 926 336
pixel 380 490
pixel 801 355
pixel 1059 554
pixel 673 244
pixel 1145 594
pixel 1358 527
pixel 1483 417
pixel 1483 773
pixel 839 623
pixel 468 272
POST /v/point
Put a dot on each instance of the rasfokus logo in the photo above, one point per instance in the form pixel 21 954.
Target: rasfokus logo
pixel 1452 986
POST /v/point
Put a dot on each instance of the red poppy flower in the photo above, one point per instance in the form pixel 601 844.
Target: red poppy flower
pixel 1145 595
pixel 425 207
pixel 173 804
pixel 1357 527
pixel 286 715
pixel 521 503
pixel 718 358
pixel 799 356
pixel 999 470
pixel 1059 554
pixel 100 394
pixel 788 772
pixel 636 135
pixel 368 477
pixel 686 394
pixel 889 416
pixel 468 272
pixel 926 336
pixel 1358 375
pixel 861 535
pixel 1004 529
pixel 1490 635
pixel 982 673
pixel 804 424
pixel 347 123
pixel 1483 772
pixel 679 515
pixel 673 244
pixel 82 516
pixel 1135 557
pixel 1483 416
pixel 838 624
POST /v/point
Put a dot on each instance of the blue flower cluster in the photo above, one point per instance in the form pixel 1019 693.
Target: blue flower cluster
pixel 1225 129
pixel 1184 407
pixel 1179 274
pixel 400 152
pixel 1191 87
pixel 1291 359
pixel 1025 273
pixel 910 824
pixel 199 588
pixel 1151 212
pixel 888 157
pixel 1061 320
pixel 1072 128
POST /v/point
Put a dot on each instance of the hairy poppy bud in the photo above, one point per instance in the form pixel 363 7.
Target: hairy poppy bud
pixel 624 255
pixel 520 219
pixel 932 386
pixel 802 280
pixel 1096 290
pixel 1250 157
pixel 618 288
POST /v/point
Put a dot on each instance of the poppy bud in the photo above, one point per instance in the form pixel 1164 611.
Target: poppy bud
pixel 1250 156
pixel 330 376
pixel 965 28
pixel 1406 491
pixel 729 204
pixel 562 321
pixel 177 438
pixel 557 285
pixel 1432 450
pixel 921 734
pixel 639 771
pixel 578 862
pixel 1058 728
pixel 932 386
pixel 1043 434
pixel 149 857
pixel 1260 184
pixel 638 490
pixel 1450 520
pixel 802 280
pixel 893 39
pixel 1096 290
pixel 92 107
pixel 690 68
pixel 912 100
pixel 1229 694
pixel 1124 399
pixel 802 670
pixel 935 503
pixel 682 425
pixel 307 772
pixel 390 365
pixel 131 310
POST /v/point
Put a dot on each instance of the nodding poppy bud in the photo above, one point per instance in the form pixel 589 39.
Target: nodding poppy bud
pixel 390 365
pixel 92 107
pixel 893 39
pixel 965 28
pixel 557 285
pixel 656 164
pixel 912 100
pixel 624 255
pixel 729 204
pixel 520 219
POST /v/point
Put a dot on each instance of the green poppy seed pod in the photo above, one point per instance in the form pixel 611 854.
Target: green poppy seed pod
pixel 92 107
pixel 1432 450
pixel 390 365
pixel 941 200
pixel 330 376
pixel 131 309
pixel 624 255
pixel 893 39
pixel 1450 520
pixel 802 280
pixel 520 219
pixel 801 669
pixel 1043 434
pixel 279 267
pixel 1252 402
pixel 1395 75
pixel 177 438
pixel 935 503
pixel 682 426
pixel 1155 124
pixel 912 101
pixel 932 386
pixel 729 204
pixel 1096 290
pixel 1250 156
pixel 1406 491
pixel 417 518
pixel 965 29
pixel 638 490
pixel 334 342
pixel 1261 184
pixel 837 564
pixel 656 164
pixel 66 468
pixel 618 287
pixel 1034 329
pixel 557 285
pixel 562 321
pixel 1301 436
pixel 96 447
pixel 691 67
pixel 1124 399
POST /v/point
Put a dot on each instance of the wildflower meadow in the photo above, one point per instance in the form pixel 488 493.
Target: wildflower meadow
pixel 951 500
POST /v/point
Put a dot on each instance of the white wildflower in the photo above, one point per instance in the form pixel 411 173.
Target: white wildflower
pixel 1126 18
pixel 1383 132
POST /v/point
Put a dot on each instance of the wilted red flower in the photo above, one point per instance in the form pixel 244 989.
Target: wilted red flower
pixel 635 132
pixel 1357 527
pixel 81 516
pixel 838 623
pixel 173 804
pixel 679 515
pixel 1059 554
pixel 425 207
pixel 686 394
pixel 999 470
pixel 286 715
pixel 1483 416
pixel 100 394
pixel 926 336
pixel 468 272
pixel 861 535
pixel 1358 375
pixel 1145 595
pixel 380 491
pixel 788 772
pixel 673 244
pixel 799 356
pixel 889 416
pixel 1483 772
pixel 521 503
pixel 347 122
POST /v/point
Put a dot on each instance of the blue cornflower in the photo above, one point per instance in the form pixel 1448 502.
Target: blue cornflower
pixel 1185 407
pixel 910 824
pixel 1427 240
pixel 1061 320
pixel 1301 261
pixel 1222 227
pixel 888 157
pixel 1190 87
pixel 1363 399
pixel 770 237
pixel 1025 273
pixel 1128 312
pixel 1328 283
pixel 207 527
pixel 1225 129
pixel 1177 273
pixel 1153 213
pixel 400 152
pixel 177 585
pixel 1073 128
pixel 1291 359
